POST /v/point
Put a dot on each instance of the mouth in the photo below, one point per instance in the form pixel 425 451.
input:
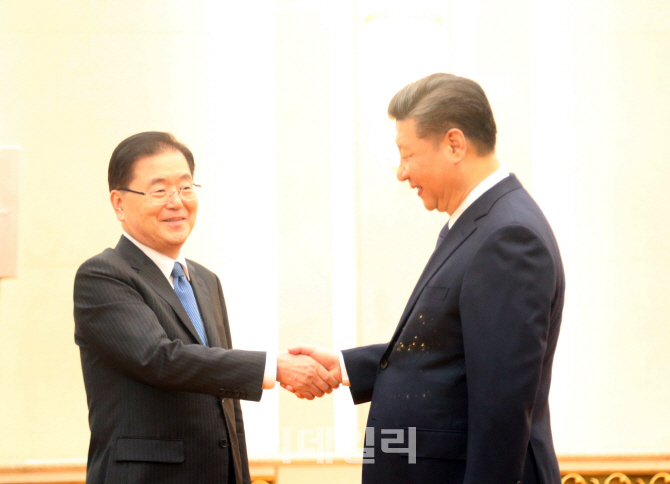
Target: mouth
pixel 173 220
pixel 418 189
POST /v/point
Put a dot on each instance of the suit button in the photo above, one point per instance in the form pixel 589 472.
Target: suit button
pixel 384 364
pixel 223 443
pixel 236 393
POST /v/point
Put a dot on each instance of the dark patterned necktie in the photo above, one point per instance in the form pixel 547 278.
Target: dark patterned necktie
pixel 443 234
pixel 185 294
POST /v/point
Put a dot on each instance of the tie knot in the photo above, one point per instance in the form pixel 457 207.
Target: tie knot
pixel 443 234
pixel 177 270
pixel 444 231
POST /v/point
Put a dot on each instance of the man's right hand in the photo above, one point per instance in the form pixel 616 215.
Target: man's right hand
pixel 329 359
pixel 304 376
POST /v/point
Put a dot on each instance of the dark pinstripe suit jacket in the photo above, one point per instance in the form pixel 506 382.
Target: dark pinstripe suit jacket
pixel 162 407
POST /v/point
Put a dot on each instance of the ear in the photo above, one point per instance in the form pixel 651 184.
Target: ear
pixel 117 204
pixel 455 143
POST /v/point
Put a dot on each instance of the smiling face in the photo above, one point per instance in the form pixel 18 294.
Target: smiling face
pixel 165 227
pixel 425 165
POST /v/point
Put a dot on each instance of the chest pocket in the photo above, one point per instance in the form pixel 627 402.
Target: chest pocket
pixel 435 292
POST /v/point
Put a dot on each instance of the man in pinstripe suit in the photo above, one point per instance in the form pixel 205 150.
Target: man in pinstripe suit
pixel 162 380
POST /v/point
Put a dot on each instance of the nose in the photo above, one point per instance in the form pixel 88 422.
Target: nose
pixel 175 200
pixel 401 172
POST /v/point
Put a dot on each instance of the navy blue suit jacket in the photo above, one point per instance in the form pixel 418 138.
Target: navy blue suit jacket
pixel 469 365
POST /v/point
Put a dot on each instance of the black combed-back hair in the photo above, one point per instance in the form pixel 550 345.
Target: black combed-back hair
pixel 440 102
pixel 140 145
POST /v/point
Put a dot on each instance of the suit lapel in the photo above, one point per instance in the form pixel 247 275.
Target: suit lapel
pixel 204 299
pixel 459 233
pixel 150 272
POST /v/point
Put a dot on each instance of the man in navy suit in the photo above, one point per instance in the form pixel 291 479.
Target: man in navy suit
pixel 464 381
pixel 163 381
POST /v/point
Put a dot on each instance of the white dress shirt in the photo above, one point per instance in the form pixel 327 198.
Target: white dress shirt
pixel 486 184
pixel 166 264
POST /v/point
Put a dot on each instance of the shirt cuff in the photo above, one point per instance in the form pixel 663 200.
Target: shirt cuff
pixel 270 375
pixel 343 370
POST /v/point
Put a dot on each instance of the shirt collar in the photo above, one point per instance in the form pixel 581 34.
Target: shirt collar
pixel 487 183
pixel 164 263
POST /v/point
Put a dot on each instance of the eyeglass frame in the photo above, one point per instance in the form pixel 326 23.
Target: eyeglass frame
pixel 195 187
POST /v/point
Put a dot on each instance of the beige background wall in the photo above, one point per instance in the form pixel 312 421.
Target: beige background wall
pixel 600 151
pixel 283 104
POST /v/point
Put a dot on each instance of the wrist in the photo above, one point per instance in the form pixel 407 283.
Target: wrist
pixel 281 358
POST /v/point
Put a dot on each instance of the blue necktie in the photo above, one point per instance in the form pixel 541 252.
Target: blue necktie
pixel 185 294
pixel 443 234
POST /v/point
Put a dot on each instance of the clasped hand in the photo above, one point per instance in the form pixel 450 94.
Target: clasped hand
pixel 309 371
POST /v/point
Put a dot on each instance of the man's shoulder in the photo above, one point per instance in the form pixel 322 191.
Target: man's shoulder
pixel 108 259
pixel 100 272
pixel 516 215
pixel 514 205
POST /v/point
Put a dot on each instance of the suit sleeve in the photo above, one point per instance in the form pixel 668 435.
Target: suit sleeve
pixel 505 306
pixel 113 320
pixel 362 364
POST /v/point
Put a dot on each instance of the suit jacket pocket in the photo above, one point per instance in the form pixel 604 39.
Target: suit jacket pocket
pixel 441 444
pixel 149 450
pixel 435 292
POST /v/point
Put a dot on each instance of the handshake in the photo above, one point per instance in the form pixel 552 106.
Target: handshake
pixel 309 371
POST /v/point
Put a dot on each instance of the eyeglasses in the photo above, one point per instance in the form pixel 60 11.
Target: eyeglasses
pixel 187 193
